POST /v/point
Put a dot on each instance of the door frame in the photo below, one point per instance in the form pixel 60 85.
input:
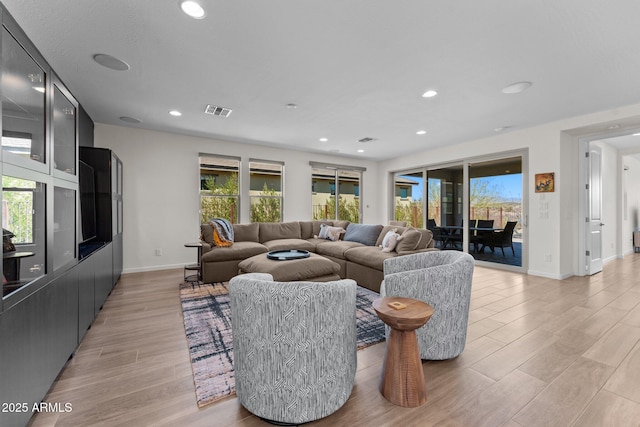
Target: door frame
pixel 583 179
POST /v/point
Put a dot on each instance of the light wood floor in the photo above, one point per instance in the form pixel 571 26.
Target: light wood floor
pixel 540 352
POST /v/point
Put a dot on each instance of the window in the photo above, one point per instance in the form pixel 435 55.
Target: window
pixel 265 190
pixel 336 192
pixel 219 187
pixel 23 222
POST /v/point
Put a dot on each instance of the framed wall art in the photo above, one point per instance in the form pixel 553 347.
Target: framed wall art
pixel 545 182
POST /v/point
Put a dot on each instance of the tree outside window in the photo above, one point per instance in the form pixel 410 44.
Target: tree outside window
pixel 265 191
pixel 219 195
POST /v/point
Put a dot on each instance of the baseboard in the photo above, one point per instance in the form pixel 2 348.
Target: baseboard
pixel 550 275
pixel 153 268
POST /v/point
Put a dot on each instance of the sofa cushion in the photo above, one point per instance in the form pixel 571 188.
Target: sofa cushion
pixel 292 270
pixel 206 233
pixel 336 249
pixel 246 232
pixel 410 240
pixel 367 234
pixel 343 224
pixel 239 250
pixel 310 228
pixel 427 238
pixel 282 244
pixel 279 230
pixel 369 256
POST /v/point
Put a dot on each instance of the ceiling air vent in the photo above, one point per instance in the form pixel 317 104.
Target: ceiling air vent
pixel 215 110
pixel 367 139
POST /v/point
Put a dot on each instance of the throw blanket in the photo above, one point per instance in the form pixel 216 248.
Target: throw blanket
pixel 222 232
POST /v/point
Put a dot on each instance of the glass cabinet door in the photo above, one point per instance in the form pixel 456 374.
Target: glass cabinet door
pixel 23 102
pixel 64 226
pixel 23 232
pixel 64 133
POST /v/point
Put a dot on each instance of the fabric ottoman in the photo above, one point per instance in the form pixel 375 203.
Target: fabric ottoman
pixel 313 269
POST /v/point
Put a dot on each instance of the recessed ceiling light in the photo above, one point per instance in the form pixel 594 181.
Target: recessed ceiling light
pixel 360 151
pixel 324 139
pixel 193 9
pixel 111 62
pixel 516 87
pixel 421 132
pixel 130 119
pixel 429 94
pixel 502 128
pixel 175 113
pixel 292 106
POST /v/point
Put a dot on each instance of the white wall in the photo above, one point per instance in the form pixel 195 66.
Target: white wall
pixel 554 223
pixel 161 186
pixel 630 185
pixel 161 183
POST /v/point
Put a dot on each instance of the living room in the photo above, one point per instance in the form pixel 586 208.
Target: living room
pixel 161 181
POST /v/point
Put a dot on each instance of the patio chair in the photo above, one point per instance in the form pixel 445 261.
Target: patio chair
pixel 479 237
pixel 439 236
pixel 502 239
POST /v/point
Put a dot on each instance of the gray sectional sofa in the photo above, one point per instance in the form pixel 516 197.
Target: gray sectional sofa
pixel 357 252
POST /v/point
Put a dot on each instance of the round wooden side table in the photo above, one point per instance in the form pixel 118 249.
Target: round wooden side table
pixel 402 379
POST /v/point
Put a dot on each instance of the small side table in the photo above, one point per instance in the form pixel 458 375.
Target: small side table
pixel 402 379
pixel 197 267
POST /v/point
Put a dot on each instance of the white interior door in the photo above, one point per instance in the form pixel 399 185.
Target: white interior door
pixel 594 211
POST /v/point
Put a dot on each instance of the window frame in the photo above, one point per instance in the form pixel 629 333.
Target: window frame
pixel 335 187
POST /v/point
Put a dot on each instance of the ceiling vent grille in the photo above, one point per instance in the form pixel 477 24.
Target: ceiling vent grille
pixel 367 139
pixel 215 110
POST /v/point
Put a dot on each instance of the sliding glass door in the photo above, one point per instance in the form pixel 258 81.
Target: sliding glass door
pixel 474 206
pixel 496 210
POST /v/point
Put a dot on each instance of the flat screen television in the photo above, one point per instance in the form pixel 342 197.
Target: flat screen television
pixel 87 186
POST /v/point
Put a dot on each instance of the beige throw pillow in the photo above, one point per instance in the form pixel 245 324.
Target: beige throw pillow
pixel 409 240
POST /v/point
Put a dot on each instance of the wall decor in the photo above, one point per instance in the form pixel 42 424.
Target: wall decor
pixel 545 182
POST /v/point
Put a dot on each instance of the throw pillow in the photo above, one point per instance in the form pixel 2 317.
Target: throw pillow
pixel 334 233
pixel 410 240
pixel 324 231
pixel 390 240
pixel 328 232
pixel 367 234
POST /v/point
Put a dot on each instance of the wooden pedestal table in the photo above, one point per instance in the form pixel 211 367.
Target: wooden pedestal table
pixel 402 378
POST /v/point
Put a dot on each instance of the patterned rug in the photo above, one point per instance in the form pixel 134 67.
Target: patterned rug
pixel 207 323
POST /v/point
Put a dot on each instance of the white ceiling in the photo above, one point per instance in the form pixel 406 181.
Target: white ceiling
pixel 355 68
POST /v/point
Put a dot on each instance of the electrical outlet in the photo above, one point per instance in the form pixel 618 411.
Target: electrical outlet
pixel 158 252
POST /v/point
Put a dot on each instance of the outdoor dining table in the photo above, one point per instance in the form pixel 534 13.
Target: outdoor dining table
pixel 449 230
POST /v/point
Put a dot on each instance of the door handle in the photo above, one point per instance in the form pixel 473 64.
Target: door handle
pixel 601 224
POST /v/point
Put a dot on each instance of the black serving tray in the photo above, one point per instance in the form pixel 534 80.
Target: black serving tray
pixel 288 254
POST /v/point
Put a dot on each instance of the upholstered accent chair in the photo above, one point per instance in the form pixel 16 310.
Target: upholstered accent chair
pixel 442 279
pixel 294 346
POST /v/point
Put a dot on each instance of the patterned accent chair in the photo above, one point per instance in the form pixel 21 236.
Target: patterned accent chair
pixel 294 346
pixel 443 280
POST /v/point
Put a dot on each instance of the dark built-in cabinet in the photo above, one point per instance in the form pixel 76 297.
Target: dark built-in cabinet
pixel 62 212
